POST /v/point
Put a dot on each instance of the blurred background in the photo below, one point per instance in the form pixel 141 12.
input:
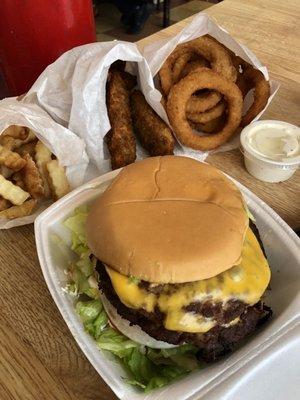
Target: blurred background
pixel 32 35
pixel 132 20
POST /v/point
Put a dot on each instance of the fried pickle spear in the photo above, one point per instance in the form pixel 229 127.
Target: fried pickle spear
pixel 130 80
pixel 118 65
pixel 120 139
pixel 153 133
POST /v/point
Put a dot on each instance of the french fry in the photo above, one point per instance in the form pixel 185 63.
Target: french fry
pixel 4 204
pixel 11 159
pixel 11 192
pixel 7 141
pixel 19 211
pixel 17 179
pixel 42 157
pixel 59 184
pixel 27 148
pixel 32 179
pixel 16 131
pixel 6 172
pixel 30 138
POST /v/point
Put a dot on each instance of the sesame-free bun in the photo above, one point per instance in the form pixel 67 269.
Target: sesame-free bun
pixel 168 220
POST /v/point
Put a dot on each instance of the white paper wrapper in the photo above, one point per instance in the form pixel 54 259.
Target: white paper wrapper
pixel 64 144
pixel 157 52
pixel 72 91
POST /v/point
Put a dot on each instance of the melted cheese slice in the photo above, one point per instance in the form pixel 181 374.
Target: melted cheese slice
pixel 246 282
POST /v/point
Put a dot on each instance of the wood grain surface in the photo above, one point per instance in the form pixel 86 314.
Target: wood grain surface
pixel 39 358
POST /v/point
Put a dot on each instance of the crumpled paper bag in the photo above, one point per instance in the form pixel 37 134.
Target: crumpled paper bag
pixel 67 147
pixel 157 52
pixel 72 90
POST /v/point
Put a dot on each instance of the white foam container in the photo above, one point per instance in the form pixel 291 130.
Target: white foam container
pixel 266 366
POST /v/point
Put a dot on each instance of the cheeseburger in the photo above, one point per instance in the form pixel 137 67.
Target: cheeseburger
pixel 178 259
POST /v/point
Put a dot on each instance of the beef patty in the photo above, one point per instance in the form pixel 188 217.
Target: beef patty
pixel 213 344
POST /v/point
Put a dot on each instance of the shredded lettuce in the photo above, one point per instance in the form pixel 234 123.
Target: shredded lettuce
pixel 82 275
pixel 133 279
pixel 147 368
pixel 76 224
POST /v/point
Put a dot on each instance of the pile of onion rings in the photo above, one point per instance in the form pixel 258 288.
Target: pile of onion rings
pixel 203 86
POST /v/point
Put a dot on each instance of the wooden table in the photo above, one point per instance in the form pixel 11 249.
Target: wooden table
pixel 39 359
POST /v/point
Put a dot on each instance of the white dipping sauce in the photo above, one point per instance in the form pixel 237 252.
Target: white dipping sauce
pixel 271 150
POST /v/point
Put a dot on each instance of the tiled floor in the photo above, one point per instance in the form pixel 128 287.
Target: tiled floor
pixel 108 24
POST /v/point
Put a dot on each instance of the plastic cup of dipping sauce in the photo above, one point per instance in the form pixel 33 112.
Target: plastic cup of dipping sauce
pixel 271 150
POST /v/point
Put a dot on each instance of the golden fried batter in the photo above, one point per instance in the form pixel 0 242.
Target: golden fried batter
pixel 11 159
pixel 176 109
pixel 120 139
pixel 153 133
pixel 32 178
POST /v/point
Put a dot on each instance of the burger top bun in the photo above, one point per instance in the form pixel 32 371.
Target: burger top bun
pixel 168 220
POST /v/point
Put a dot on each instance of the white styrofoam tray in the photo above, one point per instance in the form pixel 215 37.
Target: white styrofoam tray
pixel 265 367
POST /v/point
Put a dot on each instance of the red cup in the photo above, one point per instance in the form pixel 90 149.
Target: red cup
pixel 34 33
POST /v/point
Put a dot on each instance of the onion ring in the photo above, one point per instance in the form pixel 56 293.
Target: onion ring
pixel 255 78
pixel 202 102
pixel 180 65
pixel 242 84
pixel 199 103
pixel 248 78
pixel 210 127
pixel 218 57
pixel 204 117
pixel 180 72
pixel 240 66
pixel 176 109
pixel 166 71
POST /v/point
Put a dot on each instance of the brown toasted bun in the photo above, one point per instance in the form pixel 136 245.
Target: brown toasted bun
pixel 168 220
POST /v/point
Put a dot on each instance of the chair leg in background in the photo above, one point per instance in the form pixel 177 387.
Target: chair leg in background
pixel 166 21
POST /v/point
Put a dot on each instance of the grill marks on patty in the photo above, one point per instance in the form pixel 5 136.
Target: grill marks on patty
pixel 223 314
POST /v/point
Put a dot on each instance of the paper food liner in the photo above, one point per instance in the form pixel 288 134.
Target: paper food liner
pixel 64 144
pixel 73 91
pixel 157 52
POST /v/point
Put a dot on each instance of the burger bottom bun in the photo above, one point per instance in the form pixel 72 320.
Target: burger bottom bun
pixel 133 332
